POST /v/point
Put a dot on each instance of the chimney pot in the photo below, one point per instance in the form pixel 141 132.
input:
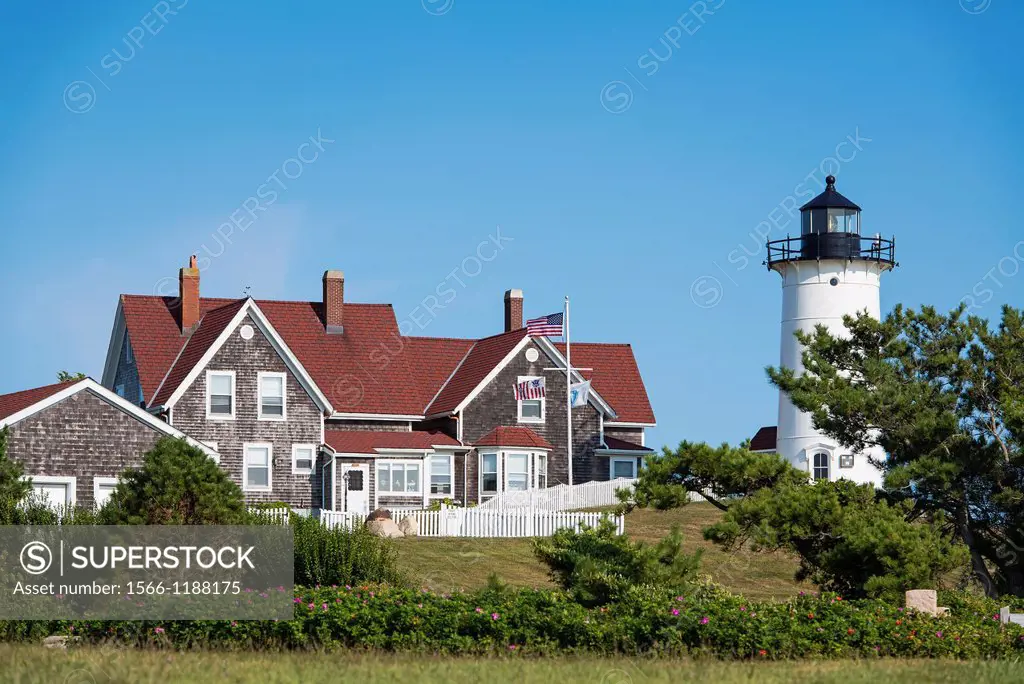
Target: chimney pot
pixel 188 295
pixel 334 301
pixel 513 310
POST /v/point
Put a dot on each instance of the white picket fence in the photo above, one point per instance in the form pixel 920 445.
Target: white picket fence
pixel 277 515
pixel 474 522
pixel 561 497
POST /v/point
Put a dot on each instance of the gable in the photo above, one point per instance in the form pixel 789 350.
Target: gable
pixel 48 401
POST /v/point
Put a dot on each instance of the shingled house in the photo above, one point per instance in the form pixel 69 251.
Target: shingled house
pixel 328 405
pixel 74 438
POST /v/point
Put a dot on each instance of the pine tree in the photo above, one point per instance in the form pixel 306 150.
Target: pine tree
pixel 943 396
pixel 177 484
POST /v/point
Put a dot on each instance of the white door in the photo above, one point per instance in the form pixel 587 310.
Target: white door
pixel 356 483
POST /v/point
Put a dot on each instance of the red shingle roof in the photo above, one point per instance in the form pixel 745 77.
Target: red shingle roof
pixel 481 360
pixel 623 445
pixel 616 378
pixel 367 442
pixel 513 437
pixel 371 367
pixel 765 439
pixel 18 401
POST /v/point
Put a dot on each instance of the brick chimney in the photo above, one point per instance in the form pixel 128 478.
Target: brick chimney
pixel 188 295
pixel 334 301
pixel 513 310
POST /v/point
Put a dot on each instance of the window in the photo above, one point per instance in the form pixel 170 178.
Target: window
pixel 542 471
pixel 271 396
pixel 488 473
pixel 530 410
pixel 398 478
pixel 128 355
pixel 846 461
pixel 303 456
pixel 517 472
pixel 258 458
pixel 102 489
pixel 441 475
pixel 142 397
pixel 119 391
pixel 820 466
pixel 56 492
pixel 220 394
pixel 623 467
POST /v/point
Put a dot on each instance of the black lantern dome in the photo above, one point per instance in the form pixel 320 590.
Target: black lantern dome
pixel 830 229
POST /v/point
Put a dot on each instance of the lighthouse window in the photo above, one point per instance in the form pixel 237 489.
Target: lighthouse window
pixel 833 282
pixel 843 221
pixel 820 471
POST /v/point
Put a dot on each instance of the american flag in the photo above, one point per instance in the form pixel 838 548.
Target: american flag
pixel 530 389
pixel 546 326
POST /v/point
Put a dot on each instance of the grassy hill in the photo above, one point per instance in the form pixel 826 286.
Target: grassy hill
pixel 446 564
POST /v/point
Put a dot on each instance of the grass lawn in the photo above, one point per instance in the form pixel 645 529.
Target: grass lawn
pixel 446 564
pixel 36 665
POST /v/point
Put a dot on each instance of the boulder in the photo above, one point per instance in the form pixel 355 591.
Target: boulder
pixel 384 527
pixel 409 527
pixel 925 601
pixel 379 514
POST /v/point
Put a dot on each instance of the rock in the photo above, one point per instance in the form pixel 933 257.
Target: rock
pixel 379 514
pixel 925 601
pixel 409 527
pixel 384 527
pixel 56 642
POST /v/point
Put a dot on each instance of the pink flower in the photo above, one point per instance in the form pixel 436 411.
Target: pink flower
pixel 494 616
pixel 675 611
pixel 938 634
pixel 158 630
pixel 297 601
pixel 311 606
pixel 679 598
pixel 512 647
pixel 479 609
pixel 704 620
pixel 234 624
pixel 324 606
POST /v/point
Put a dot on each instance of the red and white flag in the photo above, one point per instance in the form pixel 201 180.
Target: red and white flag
pixel 530 389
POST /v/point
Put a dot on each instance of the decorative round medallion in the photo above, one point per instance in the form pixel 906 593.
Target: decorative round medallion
pixel 246 332
pixel 834 282
pixel 532 355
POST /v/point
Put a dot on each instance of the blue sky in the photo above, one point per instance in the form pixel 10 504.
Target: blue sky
pixel 631 151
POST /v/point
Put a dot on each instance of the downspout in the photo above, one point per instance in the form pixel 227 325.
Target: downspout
pixel 465 463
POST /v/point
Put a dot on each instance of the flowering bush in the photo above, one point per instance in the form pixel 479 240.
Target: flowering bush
pixel 644 620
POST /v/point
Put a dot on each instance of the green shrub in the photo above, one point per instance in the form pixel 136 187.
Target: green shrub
pixel 177 484
pixel 13 487
pixel 645 620
pixel 597 565
pixel 336 556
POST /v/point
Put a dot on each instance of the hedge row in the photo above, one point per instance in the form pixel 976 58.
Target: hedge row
pixel 543 621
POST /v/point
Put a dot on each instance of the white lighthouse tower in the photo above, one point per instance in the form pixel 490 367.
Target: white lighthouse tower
pixel 828 272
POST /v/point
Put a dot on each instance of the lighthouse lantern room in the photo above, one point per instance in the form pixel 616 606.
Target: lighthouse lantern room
pixel 829 271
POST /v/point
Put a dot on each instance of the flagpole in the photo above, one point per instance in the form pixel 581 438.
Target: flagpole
pixel 568 389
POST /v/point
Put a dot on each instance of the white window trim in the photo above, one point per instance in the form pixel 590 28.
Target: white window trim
pixel 129 356
pixel 69 480
pixel 98 482
pixel 519 404
pixel 213 445
pixel 246 487
pixel 828 464
pixel 259 395
pixel 234 396
pixel 534 458
pixel 620 459
pixel 451 473
pixel 401 462
pixel 530 483
pixel 480 494
pixel 312 450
